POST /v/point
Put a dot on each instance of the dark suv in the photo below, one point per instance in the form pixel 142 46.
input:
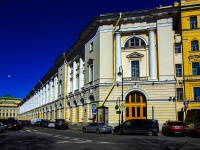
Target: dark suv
pixel 61 124
pixel 139 126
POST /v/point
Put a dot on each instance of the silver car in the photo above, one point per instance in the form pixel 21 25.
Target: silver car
pixel 2 127
pixel 98 128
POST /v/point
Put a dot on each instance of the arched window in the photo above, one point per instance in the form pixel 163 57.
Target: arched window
pixel 135 42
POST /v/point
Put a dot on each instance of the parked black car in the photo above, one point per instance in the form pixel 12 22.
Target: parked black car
pixel 42 122
pixel 37 123
pixel 139 126
pixel 14 124
pixel 61 124
pixel 45 123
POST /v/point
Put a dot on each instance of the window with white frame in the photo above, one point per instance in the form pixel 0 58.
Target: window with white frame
pixel 135 42
pixel 178 70
pixel 177 48
pixel 71 84
pixel 193 22
pixel 195 68
pixel 179 93
pixel 77 81
pixel 135 68
pixel 194 45
pixel 91 69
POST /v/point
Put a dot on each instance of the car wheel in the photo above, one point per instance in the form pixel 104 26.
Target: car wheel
pixel 84 130
pixel 150 133
pixel 98 131
pixel 119 132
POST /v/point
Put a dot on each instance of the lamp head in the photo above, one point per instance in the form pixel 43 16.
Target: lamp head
pixel 119 73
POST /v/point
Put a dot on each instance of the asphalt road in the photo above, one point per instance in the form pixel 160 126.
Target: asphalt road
pixel 39 138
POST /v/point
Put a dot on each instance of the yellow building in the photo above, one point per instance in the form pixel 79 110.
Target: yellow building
pixel 9 107
pixel 188 24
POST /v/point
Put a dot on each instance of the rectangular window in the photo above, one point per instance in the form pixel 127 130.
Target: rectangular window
pixel 91 46
pixel 71 84
pixel 197 93
pixel 194 46
pixel 195 68
pixel 177 48
pixel 193 22
pixel 77 81
pixel 135 69
pixel 133 111
pixel 144 111
pixel 132 98
pixel 180 116
pixel 127 99
pixel 178 70
pixel 179 93
pixel 91 73
pixel 137 98
pixel 127 111
pixel 138 111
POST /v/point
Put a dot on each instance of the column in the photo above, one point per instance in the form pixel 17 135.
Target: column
pixel 118 54
pixel 74 76
pixel 47 93
pixel 56 88
pixel 81 77
pixel 68 79
pixel 51 91
pixel 152 55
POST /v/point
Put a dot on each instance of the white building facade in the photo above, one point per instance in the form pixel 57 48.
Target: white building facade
pixel 125 56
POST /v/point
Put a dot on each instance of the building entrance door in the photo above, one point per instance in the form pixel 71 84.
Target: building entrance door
pixel 135 106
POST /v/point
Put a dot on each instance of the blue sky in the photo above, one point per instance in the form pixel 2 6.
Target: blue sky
pixel 33 33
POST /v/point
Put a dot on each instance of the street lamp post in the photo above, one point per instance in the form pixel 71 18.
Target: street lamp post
pixel 117 107
pixel 120 73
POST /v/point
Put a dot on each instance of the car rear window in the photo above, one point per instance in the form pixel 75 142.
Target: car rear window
pixel 12 121
pixel 176 123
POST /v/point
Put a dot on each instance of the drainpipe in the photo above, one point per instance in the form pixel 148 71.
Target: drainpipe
pixel 176 107
pixel 114 59
pixel 65 85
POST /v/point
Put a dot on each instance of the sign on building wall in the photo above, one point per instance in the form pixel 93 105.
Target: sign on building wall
pixel 94 108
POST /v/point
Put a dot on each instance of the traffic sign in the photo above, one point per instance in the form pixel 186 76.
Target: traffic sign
pixel 122 106
pixel 94 111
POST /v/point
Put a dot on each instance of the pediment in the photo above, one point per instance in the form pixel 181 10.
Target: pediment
pixel 194 39
pixel 135 55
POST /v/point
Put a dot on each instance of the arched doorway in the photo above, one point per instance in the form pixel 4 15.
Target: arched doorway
pixel 135 106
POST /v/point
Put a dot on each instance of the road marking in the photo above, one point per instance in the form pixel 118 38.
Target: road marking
pixel 66 138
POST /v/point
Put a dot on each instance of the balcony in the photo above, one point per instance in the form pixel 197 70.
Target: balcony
pixel 135 78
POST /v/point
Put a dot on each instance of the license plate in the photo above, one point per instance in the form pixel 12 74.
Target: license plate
pixel 177 132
